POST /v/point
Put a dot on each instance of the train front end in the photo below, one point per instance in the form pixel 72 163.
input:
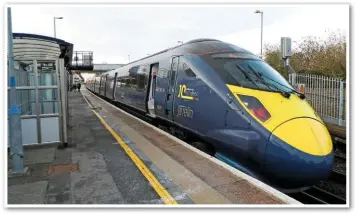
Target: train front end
pixel 299 151
pixel 298 148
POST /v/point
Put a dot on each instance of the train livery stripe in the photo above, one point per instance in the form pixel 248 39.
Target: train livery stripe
pixel 308 135
pixel 159 189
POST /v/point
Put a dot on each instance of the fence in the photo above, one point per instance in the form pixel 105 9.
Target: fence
pixel 326 95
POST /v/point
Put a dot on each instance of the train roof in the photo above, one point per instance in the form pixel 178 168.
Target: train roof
pixel 199 46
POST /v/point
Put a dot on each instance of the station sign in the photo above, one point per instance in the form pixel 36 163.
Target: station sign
pixel 46 66
pixel 286 50
pixel 301 88
pixel 42 66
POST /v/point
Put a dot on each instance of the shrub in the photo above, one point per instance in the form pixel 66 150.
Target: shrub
pixel 313 56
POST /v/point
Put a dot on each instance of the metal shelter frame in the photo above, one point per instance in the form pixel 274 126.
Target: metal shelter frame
pixel 28 47
pixel 41 68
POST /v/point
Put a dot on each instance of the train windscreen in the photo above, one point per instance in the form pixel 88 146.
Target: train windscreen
pixel 246 70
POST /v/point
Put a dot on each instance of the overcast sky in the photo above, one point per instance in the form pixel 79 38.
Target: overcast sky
pixel 114 32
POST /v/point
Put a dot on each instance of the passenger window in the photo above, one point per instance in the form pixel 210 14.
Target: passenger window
pixel 128 82
pixel 124 82
pixel 133 82
pixel 133 69
pixel 188 71
pixel 141 81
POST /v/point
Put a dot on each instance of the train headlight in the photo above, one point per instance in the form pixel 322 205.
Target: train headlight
pixel 255 106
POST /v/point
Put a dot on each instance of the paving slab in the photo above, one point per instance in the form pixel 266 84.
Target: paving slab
pixel 28 193
pixel 106 174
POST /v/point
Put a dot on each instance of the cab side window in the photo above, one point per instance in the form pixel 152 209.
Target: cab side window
pixel 188 71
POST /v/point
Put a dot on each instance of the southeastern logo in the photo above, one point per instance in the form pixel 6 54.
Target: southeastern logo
pixel 182 93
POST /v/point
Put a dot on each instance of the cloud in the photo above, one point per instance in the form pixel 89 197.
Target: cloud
pixel 109 59
pixel 176 25
pixel 114 32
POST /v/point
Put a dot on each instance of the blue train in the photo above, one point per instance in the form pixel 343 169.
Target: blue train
pixel 231 102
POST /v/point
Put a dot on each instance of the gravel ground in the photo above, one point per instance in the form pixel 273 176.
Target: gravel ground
pixel 339 165
pixel 331 186
pixel 340 153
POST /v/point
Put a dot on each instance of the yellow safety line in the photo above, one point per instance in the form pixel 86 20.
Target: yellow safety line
pixel 162 192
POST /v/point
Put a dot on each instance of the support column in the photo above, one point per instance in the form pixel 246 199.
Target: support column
pixel 16 147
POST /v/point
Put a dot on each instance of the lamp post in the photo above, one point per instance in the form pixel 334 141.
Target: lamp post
pixel 54 25
pixel 129 60
pixel 261 39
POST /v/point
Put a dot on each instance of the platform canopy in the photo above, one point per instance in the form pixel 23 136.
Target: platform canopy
pixel 28 47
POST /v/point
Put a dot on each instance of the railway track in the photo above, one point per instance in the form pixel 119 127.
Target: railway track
pixel 332 191
pixel 339 143
pixel 339 167
pixel 316 195
pixel 339 139
pixel 340 156
pixel 338 177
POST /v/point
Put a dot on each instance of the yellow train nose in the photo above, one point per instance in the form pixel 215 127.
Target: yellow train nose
pixel 307 135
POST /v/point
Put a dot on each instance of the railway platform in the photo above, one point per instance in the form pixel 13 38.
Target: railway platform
pixel 115 158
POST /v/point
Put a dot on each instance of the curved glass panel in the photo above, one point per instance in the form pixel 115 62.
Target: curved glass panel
pixel 246 70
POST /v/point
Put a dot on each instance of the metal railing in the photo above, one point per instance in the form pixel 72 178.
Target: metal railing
pixel 325 94
pixel 82 60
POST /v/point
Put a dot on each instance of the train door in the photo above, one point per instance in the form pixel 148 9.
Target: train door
pixel 105 85
pixel 114 87
pixel 152 87
pixel 169 103
pixel 100 85
pixel 94 84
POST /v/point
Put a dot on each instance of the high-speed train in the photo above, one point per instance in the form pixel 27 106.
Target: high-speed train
pixel 229 100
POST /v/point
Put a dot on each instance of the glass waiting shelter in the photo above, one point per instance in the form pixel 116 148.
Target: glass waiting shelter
pixel 41 70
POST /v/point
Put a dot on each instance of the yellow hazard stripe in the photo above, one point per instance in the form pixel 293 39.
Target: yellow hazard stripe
pixel 162 192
